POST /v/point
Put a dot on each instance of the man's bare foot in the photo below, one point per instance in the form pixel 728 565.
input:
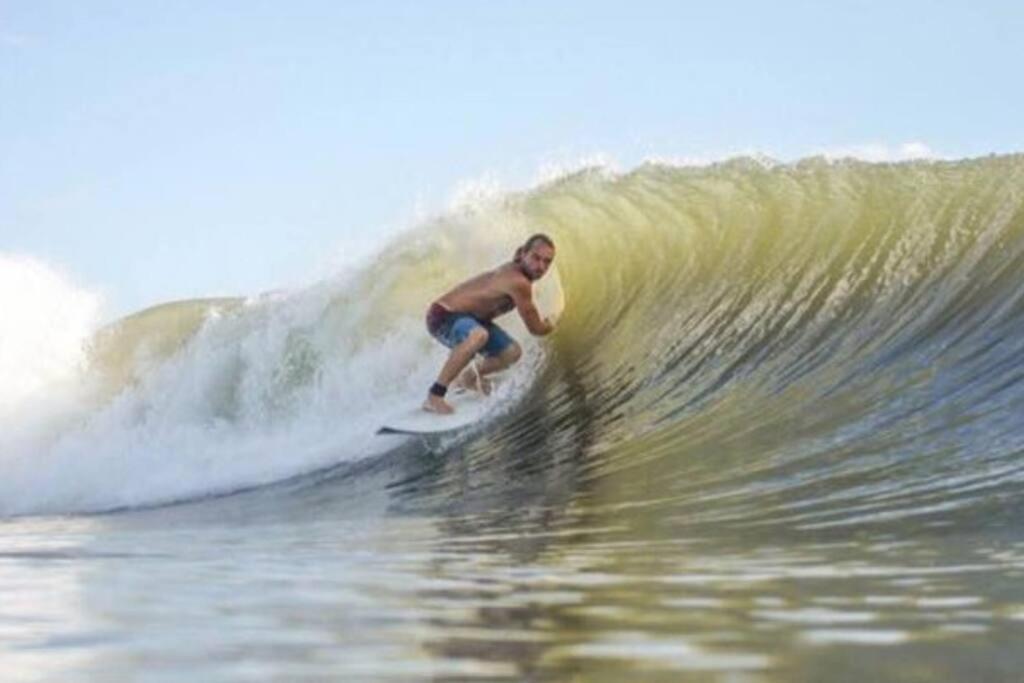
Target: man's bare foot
pixel 469 379
pixel 436 404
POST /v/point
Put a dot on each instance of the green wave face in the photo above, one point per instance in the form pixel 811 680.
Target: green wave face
pixel 787 331
pixel 776 335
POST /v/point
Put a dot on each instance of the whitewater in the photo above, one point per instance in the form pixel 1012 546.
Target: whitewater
pixel 777 426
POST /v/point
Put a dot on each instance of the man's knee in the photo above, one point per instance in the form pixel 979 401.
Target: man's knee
pixel 512 354
pixel 477 337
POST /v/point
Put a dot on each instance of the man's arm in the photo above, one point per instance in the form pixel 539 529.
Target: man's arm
pixel 522 294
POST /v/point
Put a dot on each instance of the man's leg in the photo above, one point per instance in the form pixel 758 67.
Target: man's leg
pixel 457 361
pixel 475 377
pixel 490 364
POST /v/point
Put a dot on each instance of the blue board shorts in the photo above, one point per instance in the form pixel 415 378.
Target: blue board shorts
pixel 451 329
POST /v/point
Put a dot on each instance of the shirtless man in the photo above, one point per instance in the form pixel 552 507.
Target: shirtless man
pixel 462 320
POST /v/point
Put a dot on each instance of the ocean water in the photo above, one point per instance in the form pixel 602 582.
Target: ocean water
pixel 776 436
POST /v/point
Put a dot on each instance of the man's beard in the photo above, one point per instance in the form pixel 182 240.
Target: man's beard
pixel 527 272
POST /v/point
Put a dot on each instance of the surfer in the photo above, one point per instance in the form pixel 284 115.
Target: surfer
pixel 463 319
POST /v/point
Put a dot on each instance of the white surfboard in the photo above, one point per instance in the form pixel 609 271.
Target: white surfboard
pixel 469 408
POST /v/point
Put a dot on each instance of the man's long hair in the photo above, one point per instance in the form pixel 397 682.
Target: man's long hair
pixel 529 244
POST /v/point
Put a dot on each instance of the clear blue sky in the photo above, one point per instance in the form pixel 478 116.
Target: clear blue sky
pixel 162 150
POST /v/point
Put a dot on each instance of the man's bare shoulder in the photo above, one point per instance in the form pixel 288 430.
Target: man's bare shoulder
pixel 511 273
pixel 512 279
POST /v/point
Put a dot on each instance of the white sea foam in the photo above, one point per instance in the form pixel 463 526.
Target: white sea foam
pixel 46 320
pixel 286 384
pixel 874 152
pixel 226 412
pixel 880 152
